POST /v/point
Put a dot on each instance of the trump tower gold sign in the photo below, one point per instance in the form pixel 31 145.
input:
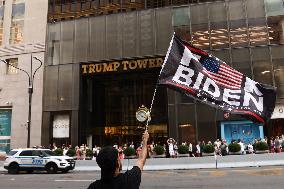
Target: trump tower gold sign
pixel 121 66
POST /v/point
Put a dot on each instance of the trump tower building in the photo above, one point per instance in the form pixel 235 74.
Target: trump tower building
pixel 104 57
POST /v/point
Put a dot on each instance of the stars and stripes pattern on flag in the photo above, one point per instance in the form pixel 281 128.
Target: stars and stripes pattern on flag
pixel 221 73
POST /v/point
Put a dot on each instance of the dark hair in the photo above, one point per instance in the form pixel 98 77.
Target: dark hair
pixel 107 159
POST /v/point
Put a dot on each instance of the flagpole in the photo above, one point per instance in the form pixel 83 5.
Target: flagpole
pixel 153 98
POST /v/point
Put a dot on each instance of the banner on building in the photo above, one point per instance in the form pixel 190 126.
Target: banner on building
pixel 210 80
pixel 61 125
pixel 5 129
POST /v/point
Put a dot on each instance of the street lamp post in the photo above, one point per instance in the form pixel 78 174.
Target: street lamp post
pixel 31 76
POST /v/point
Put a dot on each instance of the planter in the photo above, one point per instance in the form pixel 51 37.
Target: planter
pixel 182 155
pixel 262 151
pixel 130 157
pixel 158 156
pixel 235 153
pixel 208 154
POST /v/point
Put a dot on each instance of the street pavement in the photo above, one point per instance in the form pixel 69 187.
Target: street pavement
pixel 268 177
pixel 231 161
pixel 182 163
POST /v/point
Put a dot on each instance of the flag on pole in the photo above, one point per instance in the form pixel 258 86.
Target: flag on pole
pixel 208 79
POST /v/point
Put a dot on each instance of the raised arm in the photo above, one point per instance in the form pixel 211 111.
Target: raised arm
pixel 144 152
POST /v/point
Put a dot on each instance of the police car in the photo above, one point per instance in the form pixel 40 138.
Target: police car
pixel 31 159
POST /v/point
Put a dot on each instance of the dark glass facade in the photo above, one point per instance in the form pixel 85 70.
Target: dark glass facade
pixel 246 34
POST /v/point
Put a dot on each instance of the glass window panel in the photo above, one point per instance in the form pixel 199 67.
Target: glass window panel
pixel 223 55
pixel 130 34
pixel 171 96
pixel 181 22
pixel 241 61
pixel 2 8
pixel 180 16
pixel 182 98
pixel 163 29
pixel 81 40
pixel 172 121
pixel 261 65
pixel 17 22
pixel 199 21
pixel 50 88
pixel 186 122
pixel 146 32
pixel 97 38
pixel 65 80
pixel 204 123
pixel 255 8
pixel 258 31
pixel 67 38
pixel 12 66
pixel 218 26
pixel 275 27
pixel 238 26
pixel 114 36
pixel 278 66
pixel 76 86
pixel 53 43
pixel 18 9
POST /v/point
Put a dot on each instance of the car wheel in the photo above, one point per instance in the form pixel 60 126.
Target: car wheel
pixel 13 168
pixel 30 171
pixel 51 168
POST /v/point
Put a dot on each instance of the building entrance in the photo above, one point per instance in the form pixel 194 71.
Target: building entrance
pixel 109 103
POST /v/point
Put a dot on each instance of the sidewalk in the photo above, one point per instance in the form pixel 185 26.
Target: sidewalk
pixel 232 161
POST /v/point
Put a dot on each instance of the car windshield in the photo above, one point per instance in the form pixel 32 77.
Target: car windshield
pixel 49 153
pixel 13 152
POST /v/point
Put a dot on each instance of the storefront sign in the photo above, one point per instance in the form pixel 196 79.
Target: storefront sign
pixel 120 66
pixel 61 125
pixel 5 129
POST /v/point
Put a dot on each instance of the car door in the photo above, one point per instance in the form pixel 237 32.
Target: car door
pixel 25 158
pixel 37 160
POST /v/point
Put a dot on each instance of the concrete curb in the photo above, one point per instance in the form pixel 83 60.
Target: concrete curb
pixel 155 164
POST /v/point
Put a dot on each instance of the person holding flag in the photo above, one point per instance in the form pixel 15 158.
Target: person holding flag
pixel 111 167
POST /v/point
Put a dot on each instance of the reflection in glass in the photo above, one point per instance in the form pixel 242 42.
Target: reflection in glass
pixel 219 36
pixel 199 21
pixel 278 66
pixel 181 23
pixel 17 21
pixel 2 7
pixel 53 43
pixel 261 65
pixel 223 55
pixel 258 32
pixel 275 27
pixel 241 61
pixel 238 26
pixel 13 64
pixel 113 101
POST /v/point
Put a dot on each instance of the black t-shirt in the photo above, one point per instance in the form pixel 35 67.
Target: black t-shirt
pixel 130 179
